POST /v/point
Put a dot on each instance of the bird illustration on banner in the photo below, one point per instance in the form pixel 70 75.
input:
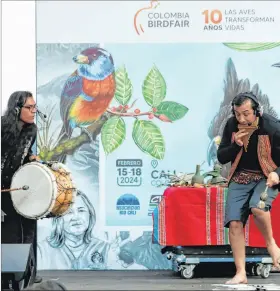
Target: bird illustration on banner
pixel 88 92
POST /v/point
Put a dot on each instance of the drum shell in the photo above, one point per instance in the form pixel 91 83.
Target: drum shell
pixel 51 193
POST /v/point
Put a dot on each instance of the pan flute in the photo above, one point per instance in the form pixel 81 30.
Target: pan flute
pixel 250 130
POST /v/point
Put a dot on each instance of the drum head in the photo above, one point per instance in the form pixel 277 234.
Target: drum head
pixel 37 201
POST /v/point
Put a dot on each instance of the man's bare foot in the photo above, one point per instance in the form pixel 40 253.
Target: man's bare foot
pixel 274 252
pixel 239 278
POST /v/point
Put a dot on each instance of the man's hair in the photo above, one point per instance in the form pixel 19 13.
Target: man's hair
pixel 243 97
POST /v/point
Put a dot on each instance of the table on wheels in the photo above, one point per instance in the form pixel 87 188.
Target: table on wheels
pixel 189 224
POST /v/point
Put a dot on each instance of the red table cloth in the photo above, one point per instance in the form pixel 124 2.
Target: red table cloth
pixel 195 217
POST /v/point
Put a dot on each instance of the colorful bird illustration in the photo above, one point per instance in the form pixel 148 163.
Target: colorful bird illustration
pixel 88 92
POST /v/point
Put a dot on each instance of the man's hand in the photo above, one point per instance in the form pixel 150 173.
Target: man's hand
pixel 239 135
pixel 34 158
pixel 272 179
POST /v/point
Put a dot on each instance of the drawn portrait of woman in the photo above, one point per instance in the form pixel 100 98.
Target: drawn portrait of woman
pixel 71 244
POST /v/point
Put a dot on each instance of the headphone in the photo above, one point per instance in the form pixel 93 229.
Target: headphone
pixel 18 105
pixel 17 110
pixel 256 107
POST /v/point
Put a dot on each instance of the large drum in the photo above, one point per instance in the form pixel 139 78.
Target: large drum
pixel 48 190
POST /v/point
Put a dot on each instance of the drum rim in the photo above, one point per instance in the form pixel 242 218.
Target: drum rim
pixel 54 190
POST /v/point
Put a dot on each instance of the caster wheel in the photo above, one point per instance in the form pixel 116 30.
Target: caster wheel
pixel 258 269
pixel 187 273
pixel 265 271
pixel 251 270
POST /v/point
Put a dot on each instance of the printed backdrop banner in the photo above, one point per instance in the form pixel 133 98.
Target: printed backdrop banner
pixel 132 103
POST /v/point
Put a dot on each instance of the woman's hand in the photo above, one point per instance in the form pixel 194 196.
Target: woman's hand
pixel 34 158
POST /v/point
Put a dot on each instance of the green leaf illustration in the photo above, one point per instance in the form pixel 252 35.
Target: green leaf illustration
pixel 172 110
pixel 123 86
pixel 148 138
pixel 252 46
pixel 113 134
pixel 154 87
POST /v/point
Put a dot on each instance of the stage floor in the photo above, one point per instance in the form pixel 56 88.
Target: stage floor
pixel 151 280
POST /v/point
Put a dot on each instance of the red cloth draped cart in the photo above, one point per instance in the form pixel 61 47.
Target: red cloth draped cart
pixel 194 217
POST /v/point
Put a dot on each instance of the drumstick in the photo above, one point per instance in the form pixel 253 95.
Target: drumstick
pixel 25 187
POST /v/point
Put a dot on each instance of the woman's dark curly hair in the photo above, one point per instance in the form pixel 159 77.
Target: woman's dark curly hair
pixel 9 129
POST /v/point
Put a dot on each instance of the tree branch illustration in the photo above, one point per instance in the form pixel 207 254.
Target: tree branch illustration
pixel 146 134
pixel 92 131
pixel 69 146
pixel 137 112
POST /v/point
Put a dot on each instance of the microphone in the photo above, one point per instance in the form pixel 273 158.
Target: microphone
pixel 42 115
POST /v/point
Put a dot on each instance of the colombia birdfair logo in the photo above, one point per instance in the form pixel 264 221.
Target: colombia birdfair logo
pixel 152 16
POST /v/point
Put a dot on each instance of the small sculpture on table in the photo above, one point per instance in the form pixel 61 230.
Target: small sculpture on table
pixel 187 180
pixel 181 180
pixel 197 179
pixel 217 178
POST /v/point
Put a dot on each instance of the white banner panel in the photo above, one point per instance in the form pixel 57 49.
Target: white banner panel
pixel 158 21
